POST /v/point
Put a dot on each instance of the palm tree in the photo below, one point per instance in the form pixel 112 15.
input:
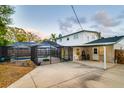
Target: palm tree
pixel 53 37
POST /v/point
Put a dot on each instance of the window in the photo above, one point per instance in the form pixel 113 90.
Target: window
pixel 67 38
pixel 75 36
pixel 95 50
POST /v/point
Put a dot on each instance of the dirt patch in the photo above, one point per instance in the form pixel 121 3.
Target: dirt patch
pixel 10 72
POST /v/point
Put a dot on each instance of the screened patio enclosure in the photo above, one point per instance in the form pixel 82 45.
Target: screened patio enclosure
pixel 47 52
pixel 21 50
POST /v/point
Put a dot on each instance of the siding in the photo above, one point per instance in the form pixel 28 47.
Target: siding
pixel 82 38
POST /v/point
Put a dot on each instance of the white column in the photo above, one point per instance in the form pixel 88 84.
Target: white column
pixel 105 57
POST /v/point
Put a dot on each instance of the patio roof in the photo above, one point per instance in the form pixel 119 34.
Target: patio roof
pixel 48 44
pixel 105 41
pixel 24 44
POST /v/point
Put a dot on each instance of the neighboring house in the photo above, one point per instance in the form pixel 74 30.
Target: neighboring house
pixel 88 45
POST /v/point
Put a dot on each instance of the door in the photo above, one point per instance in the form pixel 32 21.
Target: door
pixel 95 54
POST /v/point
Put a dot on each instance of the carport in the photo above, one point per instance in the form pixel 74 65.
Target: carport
pixel 105 48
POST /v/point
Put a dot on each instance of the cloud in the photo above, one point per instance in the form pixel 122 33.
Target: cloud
pixel 94 26
pixel 64 26
pixel 102 18
pixel 121 30
pixel 107 32
pixel 121 16
pixel 70 24
pixel 74 20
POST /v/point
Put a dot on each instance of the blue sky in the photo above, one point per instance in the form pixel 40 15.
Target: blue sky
pixel 60 19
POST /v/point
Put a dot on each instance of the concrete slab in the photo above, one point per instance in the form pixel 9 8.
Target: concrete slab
pixel 24 82
pixel 52 75
pixel 96 64
pixel 71 75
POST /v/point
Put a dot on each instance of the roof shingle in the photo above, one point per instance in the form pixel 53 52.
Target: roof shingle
pixel 106 40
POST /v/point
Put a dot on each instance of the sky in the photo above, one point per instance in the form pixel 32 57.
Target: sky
pixel 46 19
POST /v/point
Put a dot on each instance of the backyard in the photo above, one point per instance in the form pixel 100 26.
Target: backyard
pixel 9 73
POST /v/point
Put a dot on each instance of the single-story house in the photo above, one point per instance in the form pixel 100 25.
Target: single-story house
pixel 89 45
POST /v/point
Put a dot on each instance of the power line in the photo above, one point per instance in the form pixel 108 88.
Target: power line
pixel 76 17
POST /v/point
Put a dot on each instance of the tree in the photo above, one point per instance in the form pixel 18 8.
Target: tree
pixel 20 35
pixel 53 37
pixel 5 12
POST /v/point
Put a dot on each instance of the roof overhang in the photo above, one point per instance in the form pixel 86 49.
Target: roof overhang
pixel 99 44
pixel 94 44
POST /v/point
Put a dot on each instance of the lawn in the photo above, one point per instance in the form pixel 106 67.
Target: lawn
pixel 9 73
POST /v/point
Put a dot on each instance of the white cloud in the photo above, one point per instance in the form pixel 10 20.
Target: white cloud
pixel 104 19
pixel 106 32
pixel 70 24
pixel 94 26
pixel 121 16
pixel 74 20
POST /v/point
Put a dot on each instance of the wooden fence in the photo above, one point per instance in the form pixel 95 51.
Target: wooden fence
pixel 119 56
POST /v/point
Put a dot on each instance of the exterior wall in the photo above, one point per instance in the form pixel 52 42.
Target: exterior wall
pixel 77 56
pixel 89 50
pixel 109 53
pixel 64 53
pixel 83 37
pixel 119 45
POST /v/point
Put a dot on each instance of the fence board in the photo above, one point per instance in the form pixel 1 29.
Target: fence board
pixel 119 56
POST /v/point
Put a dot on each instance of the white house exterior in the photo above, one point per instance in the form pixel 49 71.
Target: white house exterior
pixel 78 38
pixel 88 45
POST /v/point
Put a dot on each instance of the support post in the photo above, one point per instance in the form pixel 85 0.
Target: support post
pixel 105 66
pixel 50 54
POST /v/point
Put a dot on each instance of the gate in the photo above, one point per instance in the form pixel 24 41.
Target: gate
pixel 47 52
pixel 119 56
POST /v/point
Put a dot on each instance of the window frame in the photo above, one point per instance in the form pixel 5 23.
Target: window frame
pixel 76 36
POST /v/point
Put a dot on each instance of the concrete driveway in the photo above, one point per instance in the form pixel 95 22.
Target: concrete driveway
pixel 66 74
pixel 72 75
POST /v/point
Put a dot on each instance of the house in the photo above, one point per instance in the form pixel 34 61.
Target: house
pixel 71 42
pixel 88 45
